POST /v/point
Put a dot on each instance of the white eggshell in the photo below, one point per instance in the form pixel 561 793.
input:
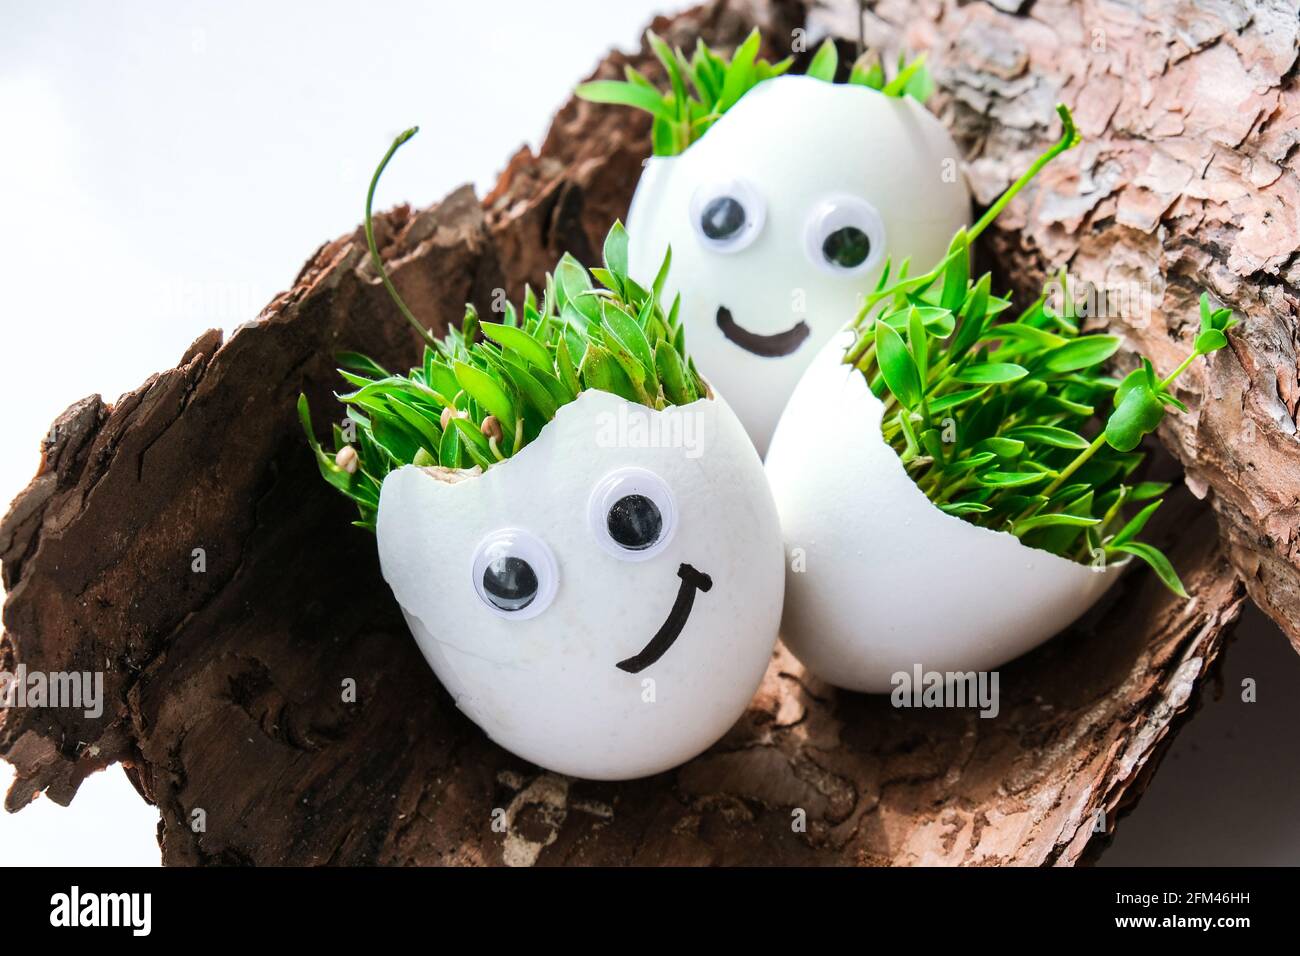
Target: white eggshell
pixel 890 580
pixel 547 688
pixel 798 142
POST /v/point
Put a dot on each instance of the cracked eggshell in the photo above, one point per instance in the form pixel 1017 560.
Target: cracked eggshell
pixel 547 687
pixel 891 581
pixel 795 144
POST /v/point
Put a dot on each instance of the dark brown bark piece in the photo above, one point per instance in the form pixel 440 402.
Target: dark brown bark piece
pixel 226 687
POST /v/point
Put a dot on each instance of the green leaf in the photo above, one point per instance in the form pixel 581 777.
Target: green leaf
pixel 332 473
pixel 1083 352
pixel 485 390
pixel 518 341
pixel 1049 435
pixel 1135 525
pixel 601 371
pixel 627 333
pixel 957 275
pixel 976 460
pixel 361 363
pixel 1158 562
pixel 974 318
pixel 867 72
pixel 449 455
pixel 664 140
pixel 825 62
pixel 897 366
pixel 1209 341
pixel 740 71
pixel 919 342
pixel 991 373
pixel 933 443
pixel 473 442
pixel 1141 377
pixel 425 425
pixel 1010 479
pixel 395 437
pixel 615 253
pixel 1002 447
pixel 672 374
pixel 657 288
pixel 1138 414
pixel 670 64
pixel 533 391
pixel 1170 401
pixel 618 93
pixel 1147 490
pixel 1068 493
pixel 913 444
pixel 564 365
pixel 1052 404
pixel 961 508
pixel 1056 519
pixel 920 85
pixel 901 82
pixel 1026 335
pixel 954 399
pixel 572 281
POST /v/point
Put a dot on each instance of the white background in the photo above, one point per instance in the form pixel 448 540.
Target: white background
pixel 166 168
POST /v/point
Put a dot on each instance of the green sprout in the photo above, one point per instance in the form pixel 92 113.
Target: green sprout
pixel 989 414
pixel 475 402
pixel 705 86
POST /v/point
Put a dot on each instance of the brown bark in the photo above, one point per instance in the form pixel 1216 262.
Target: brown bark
pixel 225 687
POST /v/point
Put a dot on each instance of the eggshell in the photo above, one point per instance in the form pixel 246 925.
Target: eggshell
pixel 891 581
pixel 547 688
pixel 798 141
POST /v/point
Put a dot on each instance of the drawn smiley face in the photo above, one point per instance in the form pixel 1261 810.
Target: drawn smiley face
pixel 605 602
pixel 780 219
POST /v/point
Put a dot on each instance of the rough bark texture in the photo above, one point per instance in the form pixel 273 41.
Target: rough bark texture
pixel 225 687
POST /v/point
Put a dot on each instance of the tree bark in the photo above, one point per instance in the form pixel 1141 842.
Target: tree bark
pixel 226 686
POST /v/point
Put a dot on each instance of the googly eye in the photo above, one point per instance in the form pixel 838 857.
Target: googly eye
pixel 845 235
pixel 727 215
pixel 632 514
pixel 514 574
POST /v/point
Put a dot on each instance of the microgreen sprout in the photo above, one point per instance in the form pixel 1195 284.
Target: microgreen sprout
pixel 989 414
pixel 475 402
pixel 705 86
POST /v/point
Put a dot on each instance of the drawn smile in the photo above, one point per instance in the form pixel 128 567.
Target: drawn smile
pixel 768 346
pixel 671 628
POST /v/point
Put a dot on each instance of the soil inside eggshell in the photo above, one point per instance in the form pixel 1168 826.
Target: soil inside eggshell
pixel 451 476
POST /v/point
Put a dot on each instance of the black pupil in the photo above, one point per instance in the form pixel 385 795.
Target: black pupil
pixel 510 583
pixel 634 522
pixel 847 247
pixel 723 218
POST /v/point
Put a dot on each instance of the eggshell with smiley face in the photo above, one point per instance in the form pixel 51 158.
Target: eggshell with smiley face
pixel 780 218
pixel 605 602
